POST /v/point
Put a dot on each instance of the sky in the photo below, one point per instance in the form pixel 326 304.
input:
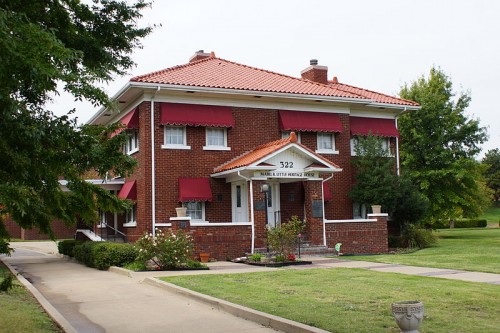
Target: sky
pixel 377 45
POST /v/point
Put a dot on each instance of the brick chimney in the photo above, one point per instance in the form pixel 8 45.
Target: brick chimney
pixel 315 72
pixel 199 55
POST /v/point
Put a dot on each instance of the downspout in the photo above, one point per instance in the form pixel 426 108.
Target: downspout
pixel 252 216
pixel 397 145
pixel 323 202
pixel 153 170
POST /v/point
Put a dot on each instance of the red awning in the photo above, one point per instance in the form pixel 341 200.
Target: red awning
pixel 374 126
pixel 327 194
pixel 196 115
pixel 310 121
pixel 131 120
pixel 128 191
pixel 194 189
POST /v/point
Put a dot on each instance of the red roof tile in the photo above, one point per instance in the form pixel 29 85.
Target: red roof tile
pixel 375 96
pixel 214 72
pixel 264 150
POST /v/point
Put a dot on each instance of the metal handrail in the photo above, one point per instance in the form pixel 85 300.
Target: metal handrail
pixel 106 226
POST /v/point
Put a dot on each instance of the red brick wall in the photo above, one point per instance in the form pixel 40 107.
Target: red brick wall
pixel 358 238
pixel 60 229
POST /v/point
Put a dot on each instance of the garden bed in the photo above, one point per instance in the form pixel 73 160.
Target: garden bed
pixel 279 264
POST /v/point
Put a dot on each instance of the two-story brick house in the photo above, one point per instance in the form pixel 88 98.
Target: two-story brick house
pixel 243 148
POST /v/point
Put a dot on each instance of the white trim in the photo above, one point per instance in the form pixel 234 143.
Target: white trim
pixel 180 147
pixel 130 224
pixel 351 221
pixel 220 224
pixel 220 148
pixel 327 151
pixel 163 224
pixel 378 215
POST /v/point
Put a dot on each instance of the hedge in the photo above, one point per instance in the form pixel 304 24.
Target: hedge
pixel 462 223
pixel 66 246
pixel 102 255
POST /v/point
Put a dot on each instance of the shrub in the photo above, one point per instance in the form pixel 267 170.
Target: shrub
pixel 4 247
pixel 394 241
pixel 471 223
pixel 102 255
pixel 166 250
pixel 6 283
pixel 413 237
pixel 66 247
pixel 283 239
pixel 256 257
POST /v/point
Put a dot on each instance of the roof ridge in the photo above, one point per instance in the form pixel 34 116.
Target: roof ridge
pixel 170 69
pixel 368 90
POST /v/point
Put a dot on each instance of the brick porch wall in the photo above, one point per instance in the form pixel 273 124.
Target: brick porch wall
pixel 61 231
pixel 359 237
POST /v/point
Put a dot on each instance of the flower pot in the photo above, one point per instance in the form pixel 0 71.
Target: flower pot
pixel 181 211
pixel 408 315
pixel 376 209
pixel 204 257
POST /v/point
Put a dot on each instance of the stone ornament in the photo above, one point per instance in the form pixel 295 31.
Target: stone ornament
pixel 408 315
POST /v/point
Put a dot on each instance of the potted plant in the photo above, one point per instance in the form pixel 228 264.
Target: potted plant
pixel 204 257
pixel 181 211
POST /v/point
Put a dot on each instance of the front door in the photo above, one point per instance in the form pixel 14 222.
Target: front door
pixel 240 201
pixel 273 205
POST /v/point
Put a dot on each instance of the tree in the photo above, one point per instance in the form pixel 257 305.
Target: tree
pixel 491 161
pixel 375 173
pixel 438 146
pixel 46 43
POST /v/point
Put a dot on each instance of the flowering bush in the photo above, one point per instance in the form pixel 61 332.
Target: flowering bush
pixel 165 250
pixel 283 239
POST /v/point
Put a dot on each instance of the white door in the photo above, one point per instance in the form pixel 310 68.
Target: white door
pixel 273 205
pixel 240 201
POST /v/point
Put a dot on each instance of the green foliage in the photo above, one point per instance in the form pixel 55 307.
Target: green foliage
pixel 66 246
pixel 375 173
pixel 283 239
pixel 46 45
pixel 256 257
pixel 102 255
pixel 5 248
pixel 409 205
pixel 438 146
pixel 166 250
pixel 413 237
pixel 471 223
pixel 6 283
pixel 492 172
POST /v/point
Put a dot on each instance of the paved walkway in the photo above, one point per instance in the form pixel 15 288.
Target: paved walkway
pixel 119 300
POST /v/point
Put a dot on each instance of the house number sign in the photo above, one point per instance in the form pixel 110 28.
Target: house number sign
pixel 286 165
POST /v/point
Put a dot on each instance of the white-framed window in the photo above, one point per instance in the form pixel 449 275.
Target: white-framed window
pixel 132 143
pixel 216 139
pixel 102 219
pixel 175 137
pixel 326 143
pixel 131 217
pixel 195 209
pixel 386 145
pixel 286 134
pixel 358 211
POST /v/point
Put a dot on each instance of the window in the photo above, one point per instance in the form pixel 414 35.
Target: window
pixel 326 143
pixel 286 134
pixel 102 219
pixel 131 217
pixel 175 138
pixel 216 139
pixel 358 211
pixel 132 144
pixel 386 145
pixel 195 209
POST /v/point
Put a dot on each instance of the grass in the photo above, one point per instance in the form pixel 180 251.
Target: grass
pixel 492 214
pixel 353 300
pixel 465 249
pixel 20 312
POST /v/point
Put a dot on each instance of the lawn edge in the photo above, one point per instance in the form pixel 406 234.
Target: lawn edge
pixel 53 313
pixel 237 310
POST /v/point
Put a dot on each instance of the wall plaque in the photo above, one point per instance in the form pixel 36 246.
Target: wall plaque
pixel 317 208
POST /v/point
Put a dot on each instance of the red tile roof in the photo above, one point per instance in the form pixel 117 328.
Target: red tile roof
pixel 214 72
pixel 264 150
pixel 374 96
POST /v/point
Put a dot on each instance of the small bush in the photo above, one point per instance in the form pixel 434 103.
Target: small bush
pixel 6 283
pixel 102 255
pixel 283 239
pixel 471 223
pixel 66 247
pixel 5 248
pixel 256 257
pixel 413 237
pixel 394 241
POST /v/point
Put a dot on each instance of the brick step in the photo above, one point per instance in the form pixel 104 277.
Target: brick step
pixel 310 250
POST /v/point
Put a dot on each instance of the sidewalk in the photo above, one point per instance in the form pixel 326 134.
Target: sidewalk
pixel 123 301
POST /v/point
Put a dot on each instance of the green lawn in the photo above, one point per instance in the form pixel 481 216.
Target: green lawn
pixel 20 312
pixel 492 214
pixel 466 249
pixel 353 300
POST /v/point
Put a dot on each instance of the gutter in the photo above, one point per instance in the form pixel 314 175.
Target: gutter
pixel 323 203
pixel 153 169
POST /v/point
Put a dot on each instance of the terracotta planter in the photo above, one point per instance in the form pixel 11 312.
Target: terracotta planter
pixel 181 211
pixel 408 315
pixel 204 257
